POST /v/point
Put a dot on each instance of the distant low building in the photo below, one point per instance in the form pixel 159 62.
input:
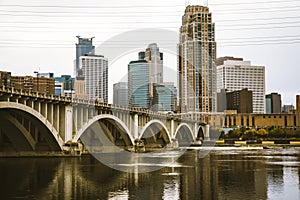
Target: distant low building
pixel 46 75
pixel 59 89
pixel 288 109
pixel 5 79
pixel 240 100
pixel 67 88
pixel 273 103
pixel 34 84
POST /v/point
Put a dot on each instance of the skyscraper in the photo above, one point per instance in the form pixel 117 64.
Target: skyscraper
pixel 143 74
pixel 84 46
pixel 155 61
pixel 138 84
pixel 236 75
pixel 120 96
pixel 95 73
pixel 196 61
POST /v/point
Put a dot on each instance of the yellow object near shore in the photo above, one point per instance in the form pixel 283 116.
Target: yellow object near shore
pixel 295 142
pixel 267 142
pixel 240 142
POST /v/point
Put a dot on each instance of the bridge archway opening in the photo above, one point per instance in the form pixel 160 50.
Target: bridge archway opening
pixel 105 133
pixel 184 135
pixel 22 130
pixel 155 135
pixel 200 134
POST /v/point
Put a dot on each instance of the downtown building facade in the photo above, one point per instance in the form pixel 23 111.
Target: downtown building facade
pixel 139 84
pixel 273 103
pixel 234 75
pixel 164 97
pixel 42 85
pixel 83 47
pixel 240 100
pixel 91 72
pixel 95 72
pixel 64 85
pixel 196 61
pixel 120 94
pixel 146 88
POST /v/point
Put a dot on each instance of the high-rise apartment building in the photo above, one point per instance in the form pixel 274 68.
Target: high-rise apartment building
pixel 83 47
pixel 120 95
pixel 95 73
pixel 236 75
pixel 273 103
pixel 196 61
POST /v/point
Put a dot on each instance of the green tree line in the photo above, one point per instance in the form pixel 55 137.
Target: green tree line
pixel 261 133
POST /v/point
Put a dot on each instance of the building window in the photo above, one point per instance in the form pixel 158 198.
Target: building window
pixel 285 121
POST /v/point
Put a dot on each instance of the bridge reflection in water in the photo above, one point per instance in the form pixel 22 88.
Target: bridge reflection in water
pixel 229 174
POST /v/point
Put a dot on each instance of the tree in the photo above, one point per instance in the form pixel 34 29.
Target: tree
pixel 262 133
pixel 235 133
pixel 249 135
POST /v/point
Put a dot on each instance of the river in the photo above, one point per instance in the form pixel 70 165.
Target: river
pixel 223 173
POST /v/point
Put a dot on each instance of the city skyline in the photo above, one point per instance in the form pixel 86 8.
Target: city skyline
pixel 273 43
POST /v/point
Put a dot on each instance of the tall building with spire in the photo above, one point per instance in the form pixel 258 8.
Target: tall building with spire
pixel 196 61
pixel 83 47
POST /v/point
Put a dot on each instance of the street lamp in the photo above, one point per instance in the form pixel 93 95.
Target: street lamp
pixel 37 80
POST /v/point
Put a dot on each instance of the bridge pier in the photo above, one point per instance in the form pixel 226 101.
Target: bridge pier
pixel 172 129
pixel 206 132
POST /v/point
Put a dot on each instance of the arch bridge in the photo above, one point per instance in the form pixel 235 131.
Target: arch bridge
pixel 34 122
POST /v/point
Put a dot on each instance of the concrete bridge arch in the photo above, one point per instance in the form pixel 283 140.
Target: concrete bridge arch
pixel 103 123
pixel 53 137
pixel 155 132
pixel 184 135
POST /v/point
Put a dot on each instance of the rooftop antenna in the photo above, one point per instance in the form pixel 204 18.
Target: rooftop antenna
pixel 206 3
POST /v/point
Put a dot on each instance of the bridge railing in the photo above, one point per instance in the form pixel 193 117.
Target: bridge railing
pixel 97 103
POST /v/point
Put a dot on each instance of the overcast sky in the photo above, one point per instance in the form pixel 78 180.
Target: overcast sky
pixel 41 35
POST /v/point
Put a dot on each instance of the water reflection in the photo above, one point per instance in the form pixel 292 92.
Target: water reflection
pixel 230 174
